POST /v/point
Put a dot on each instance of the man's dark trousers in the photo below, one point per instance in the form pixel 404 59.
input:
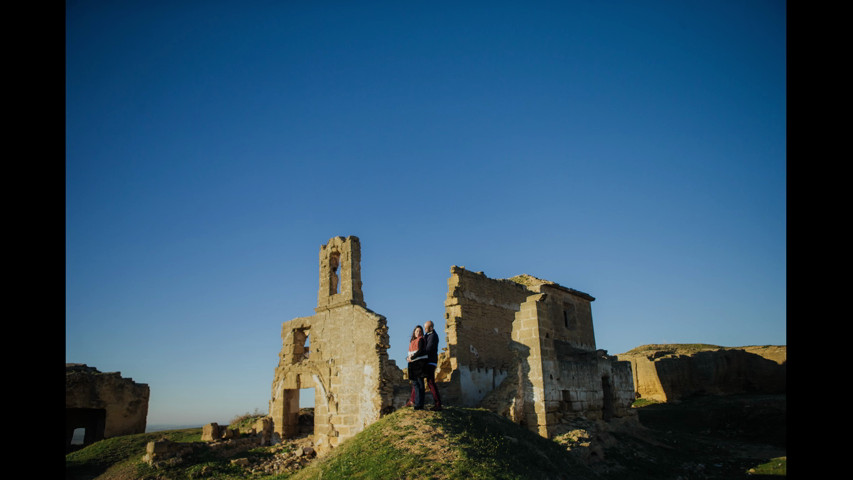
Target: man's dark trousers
pixel 429 375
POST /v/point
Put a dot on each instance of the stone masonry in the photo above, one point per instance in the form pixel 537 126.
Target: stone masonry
pixel 104 404
pixel 525 348
pixel 340 351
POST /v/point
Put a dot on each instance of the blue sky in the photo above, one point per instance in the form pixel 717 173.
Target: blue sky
pixel 632 150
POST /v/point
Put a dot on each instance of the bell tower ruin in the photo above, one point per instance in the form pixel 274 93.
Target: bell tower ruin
pixel 340 274
pixel 345 361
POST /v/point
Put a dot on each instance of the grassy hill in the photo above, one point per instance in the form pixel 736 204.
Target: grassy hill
pixel 456 443
pixel 702 438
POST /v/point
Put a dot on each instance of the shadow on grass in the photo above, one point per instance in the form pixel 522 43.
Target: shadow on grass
pixel 488 440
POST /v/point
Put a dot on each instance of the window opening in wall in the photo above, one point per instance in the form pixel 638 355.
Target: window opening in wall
pixel 566 400
pixel 569 315
pixel 306 348
pixel 306 397
pixel 78 436
pixel 607 408
pixel 334 273
pixel 301 344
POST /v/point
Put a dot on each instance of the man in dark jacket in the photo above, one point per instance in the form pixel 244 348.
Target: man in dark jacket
pixel 431 340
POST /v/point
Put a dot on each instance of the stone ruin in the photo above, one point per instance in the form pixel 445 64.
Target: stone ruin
pixel 340 351
pixel 524 348
pixel 669 373
pixel 219 439
pixel 223 441
pixel 104 404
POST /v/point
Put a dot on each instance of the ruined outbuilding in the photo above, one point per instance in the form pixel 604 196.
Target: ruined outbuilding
pixel 104 404
pixel 523 347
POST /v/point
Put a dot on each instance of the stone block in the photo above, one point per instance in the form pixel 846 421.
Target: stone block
pixel 158 446
pixel 210 432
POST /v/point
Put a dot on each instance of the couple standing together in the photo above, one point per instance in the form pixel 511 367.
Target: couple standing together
pixel 423 359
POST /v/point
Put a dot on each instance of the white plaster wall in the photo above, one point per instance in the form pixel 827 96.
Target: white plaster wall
pixel 476 383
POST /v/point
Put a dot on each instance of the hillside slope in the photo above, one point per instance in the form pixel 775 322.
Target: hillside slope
pixel 456 443
pixel 708 437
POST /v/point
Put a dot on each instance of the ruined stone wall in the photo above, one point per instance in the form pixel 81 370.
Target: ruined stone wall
pixel 479 315
pixel 523 347
pixel 669 373
pixel 105 404
pixel 341 352
pixel 567 378
pixel 526 348
pixel 343 366
pixel 595 387
pixel 536 364
pixel 559 329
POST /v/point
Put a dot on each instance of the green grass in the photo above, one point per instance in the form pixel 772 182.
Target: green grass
pixel 123 452
pixel 456 443
pixel 776 466
pixel 120 458
pixel 490 446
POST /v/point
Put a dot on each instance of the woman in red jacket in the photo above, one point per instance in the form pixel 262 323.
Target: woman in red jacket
pixel 417 359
